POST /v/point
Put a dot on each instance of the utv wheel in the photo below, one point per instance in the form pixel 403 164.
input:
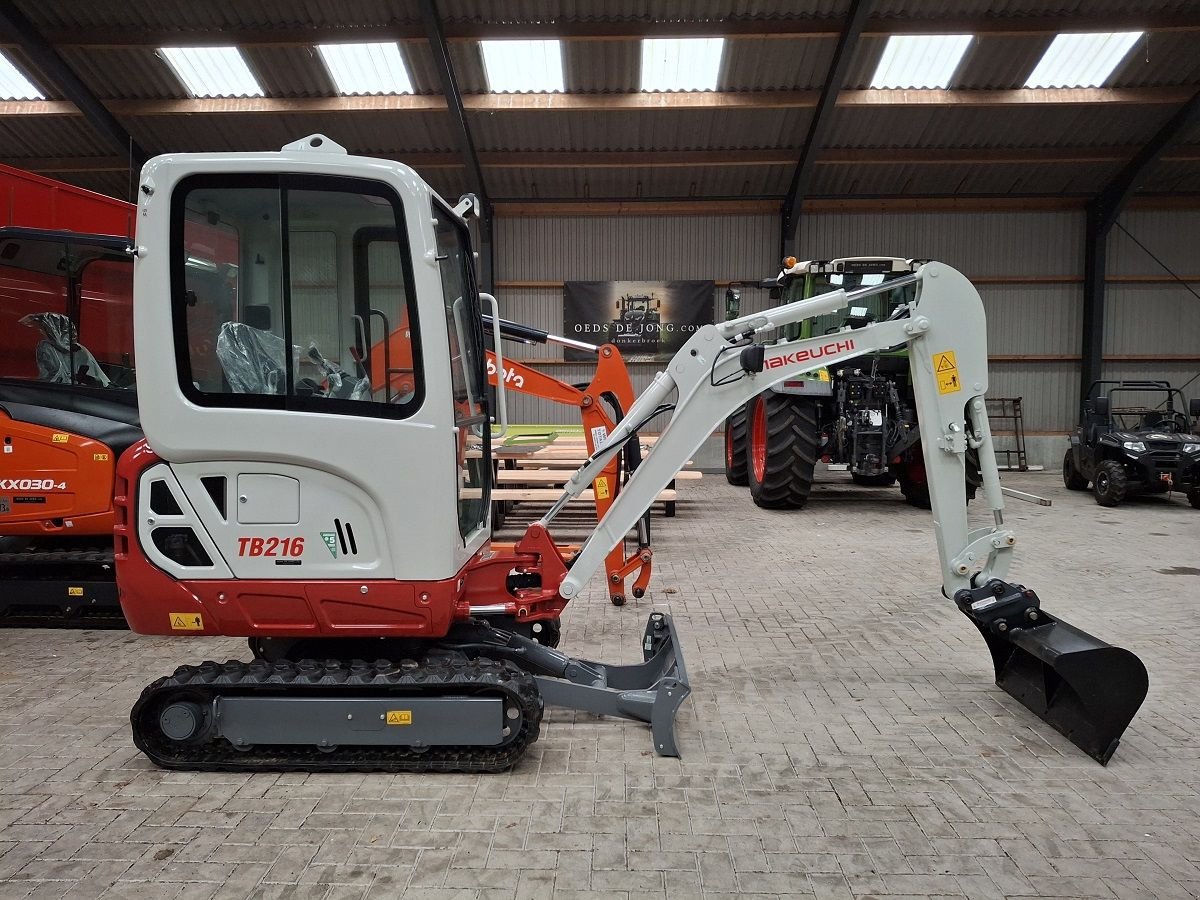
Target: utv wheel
pixel 884 479
pixel 735 448
pixel 781 450
pixel 1110 484
pixel 1071 477
pixel 1194 498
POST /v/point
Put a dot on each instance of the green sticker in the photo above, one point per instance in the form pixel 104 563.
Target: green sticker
pixel 330 541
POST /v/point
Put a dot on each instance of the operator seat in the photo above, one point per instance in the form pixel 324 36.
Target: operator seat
pixel 61 359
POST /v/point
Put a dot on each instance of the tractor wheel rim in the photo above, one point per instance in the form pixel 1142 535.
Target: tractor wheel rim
pixel 1102 483
pixel 758 441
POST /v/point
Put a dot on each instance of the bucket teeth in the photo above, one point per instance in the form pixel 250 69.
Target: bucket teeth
pixel 1086 689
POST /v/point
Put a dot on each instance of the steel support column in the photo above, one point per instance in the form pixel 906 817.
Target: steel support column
pixel 52 67
pixel 856 20
pixel 1102 213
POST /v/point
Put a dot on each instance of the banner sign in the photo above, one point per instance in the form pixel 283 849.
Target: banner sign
pixel 647 320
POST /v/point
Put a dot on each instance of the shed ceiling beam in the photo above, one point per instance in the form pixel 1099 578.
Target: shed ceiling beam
pixel 1102 213
pixel 661 159
pixel 816 27
pixel 648 101
pixel 57 73
pixel 818 125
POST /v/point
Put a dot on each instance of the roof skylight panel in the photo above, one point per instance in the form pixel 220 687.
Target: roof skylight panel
pixel 1081 60
pixel 515 67
pixel 13 83
pixel 374 68
pixel 920 60
pixel 681 64
pixel 212 71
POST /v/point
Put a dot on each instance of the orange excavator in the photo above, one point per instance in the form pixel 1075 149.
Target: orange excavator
pixel 602 403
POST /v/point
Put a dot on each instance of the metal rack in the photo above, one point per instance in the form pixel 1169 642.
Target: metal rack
pixel 1008 432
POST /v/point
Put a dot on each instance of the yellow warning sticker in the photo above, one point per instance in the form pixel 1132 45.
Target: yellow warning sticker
pixel 100 457
pixel 74 592
pixel 823 374
pixel 399 716
pixel 59 437
pixel 602 491
pixel 186 622
pixel 945 369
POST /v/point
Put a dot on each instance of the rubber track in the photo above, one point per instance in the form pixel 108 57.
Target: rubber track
pixel 34 564
pixel 735 431
pixel 451 673
pixel 793 439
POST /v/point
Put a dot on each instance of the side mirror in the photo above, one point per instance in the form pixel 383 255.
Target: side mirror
pixel 1194 408
pixel 1100 406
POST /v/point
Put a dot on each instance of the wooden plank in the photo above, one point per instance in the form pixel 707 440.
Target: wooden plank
pixel 549 496
pixel 560 476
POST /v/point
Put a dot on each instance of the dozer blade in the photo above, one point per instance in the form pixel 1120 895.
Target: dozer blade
pixel 1086 689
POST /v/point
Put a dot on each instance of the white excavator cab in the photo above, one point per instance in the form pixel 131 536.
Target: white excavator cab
pixel 324 382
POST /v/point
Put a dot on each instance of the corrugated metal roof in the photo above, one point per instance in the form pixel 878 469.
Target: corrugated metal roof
pixel 682 129
pixel 756 181
pixel 1005 126
pixel 379 133
pixel 51 136
pixel 634 10
pixel 612 66
pixel 966 178
pixel 1001 8
pixel 776 64
pixel 189 15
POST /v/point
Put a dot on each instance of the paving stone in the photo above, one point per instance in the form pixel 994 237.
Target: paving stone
pixel 844 739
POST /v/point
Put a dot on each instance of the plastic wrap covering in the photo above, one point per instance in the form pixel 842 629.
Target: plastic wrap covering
pixel 60 358
pixel 252 361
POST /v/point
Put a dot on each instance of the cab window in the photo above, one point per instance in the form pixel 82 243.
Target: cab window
pixel 270 308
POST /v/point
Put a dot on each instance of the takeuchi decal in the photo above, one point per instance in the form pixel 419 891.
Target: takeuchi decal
pixel 799 356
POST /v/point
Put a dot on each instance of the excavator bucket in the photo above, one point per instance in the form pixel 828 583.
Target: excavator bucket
pixel 1087 689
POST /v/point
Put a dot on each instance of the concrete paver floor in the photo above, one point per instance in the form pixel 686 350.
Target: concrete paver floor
pixel 844 738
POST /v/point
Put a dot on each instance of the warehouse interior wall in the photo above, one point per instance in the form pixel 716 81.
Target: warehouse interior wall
pixel 1027 267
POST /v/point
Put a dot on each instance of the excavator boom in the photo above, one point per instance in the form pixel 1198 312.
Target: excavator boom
pixel 1085 688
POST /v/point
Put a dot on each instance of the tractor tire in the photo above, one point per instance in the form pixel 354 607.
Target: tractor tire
pixel 1194 498
pixel 1071 477
pixel 916 494
pixel 1110 484
pixel 781 450
pixel 736 472
pixel 974 476
pixel 884 479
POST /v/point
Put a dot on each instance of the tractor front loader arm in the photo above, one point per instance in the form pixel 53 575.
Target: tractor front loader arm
pixel 1085 688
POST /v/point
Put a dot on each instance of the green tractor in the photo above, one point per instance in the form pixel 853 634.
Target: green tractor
pixel 860 416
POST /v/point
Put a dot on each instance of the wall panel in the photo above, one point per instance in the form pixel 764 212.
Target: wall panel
pixel 1024 318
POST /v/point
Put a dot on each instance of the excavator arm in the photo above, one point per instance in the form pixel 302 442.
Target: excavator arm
pixel 1085 688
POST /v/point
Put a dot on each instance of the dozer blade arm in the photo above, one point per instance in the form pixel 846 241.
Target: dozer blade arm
pixel 721 367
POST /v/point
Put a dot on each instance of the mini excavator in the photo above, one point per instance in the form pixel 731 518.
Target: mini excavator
pixel 346 532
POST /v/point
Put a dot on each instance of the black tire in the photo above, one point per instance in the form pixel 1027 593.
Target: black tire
pixel 1194 498
pixel 735 449
pixel 781 450
pixel 1071 477
pixel 884 479
pixel 916 494
pixel 1110 484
